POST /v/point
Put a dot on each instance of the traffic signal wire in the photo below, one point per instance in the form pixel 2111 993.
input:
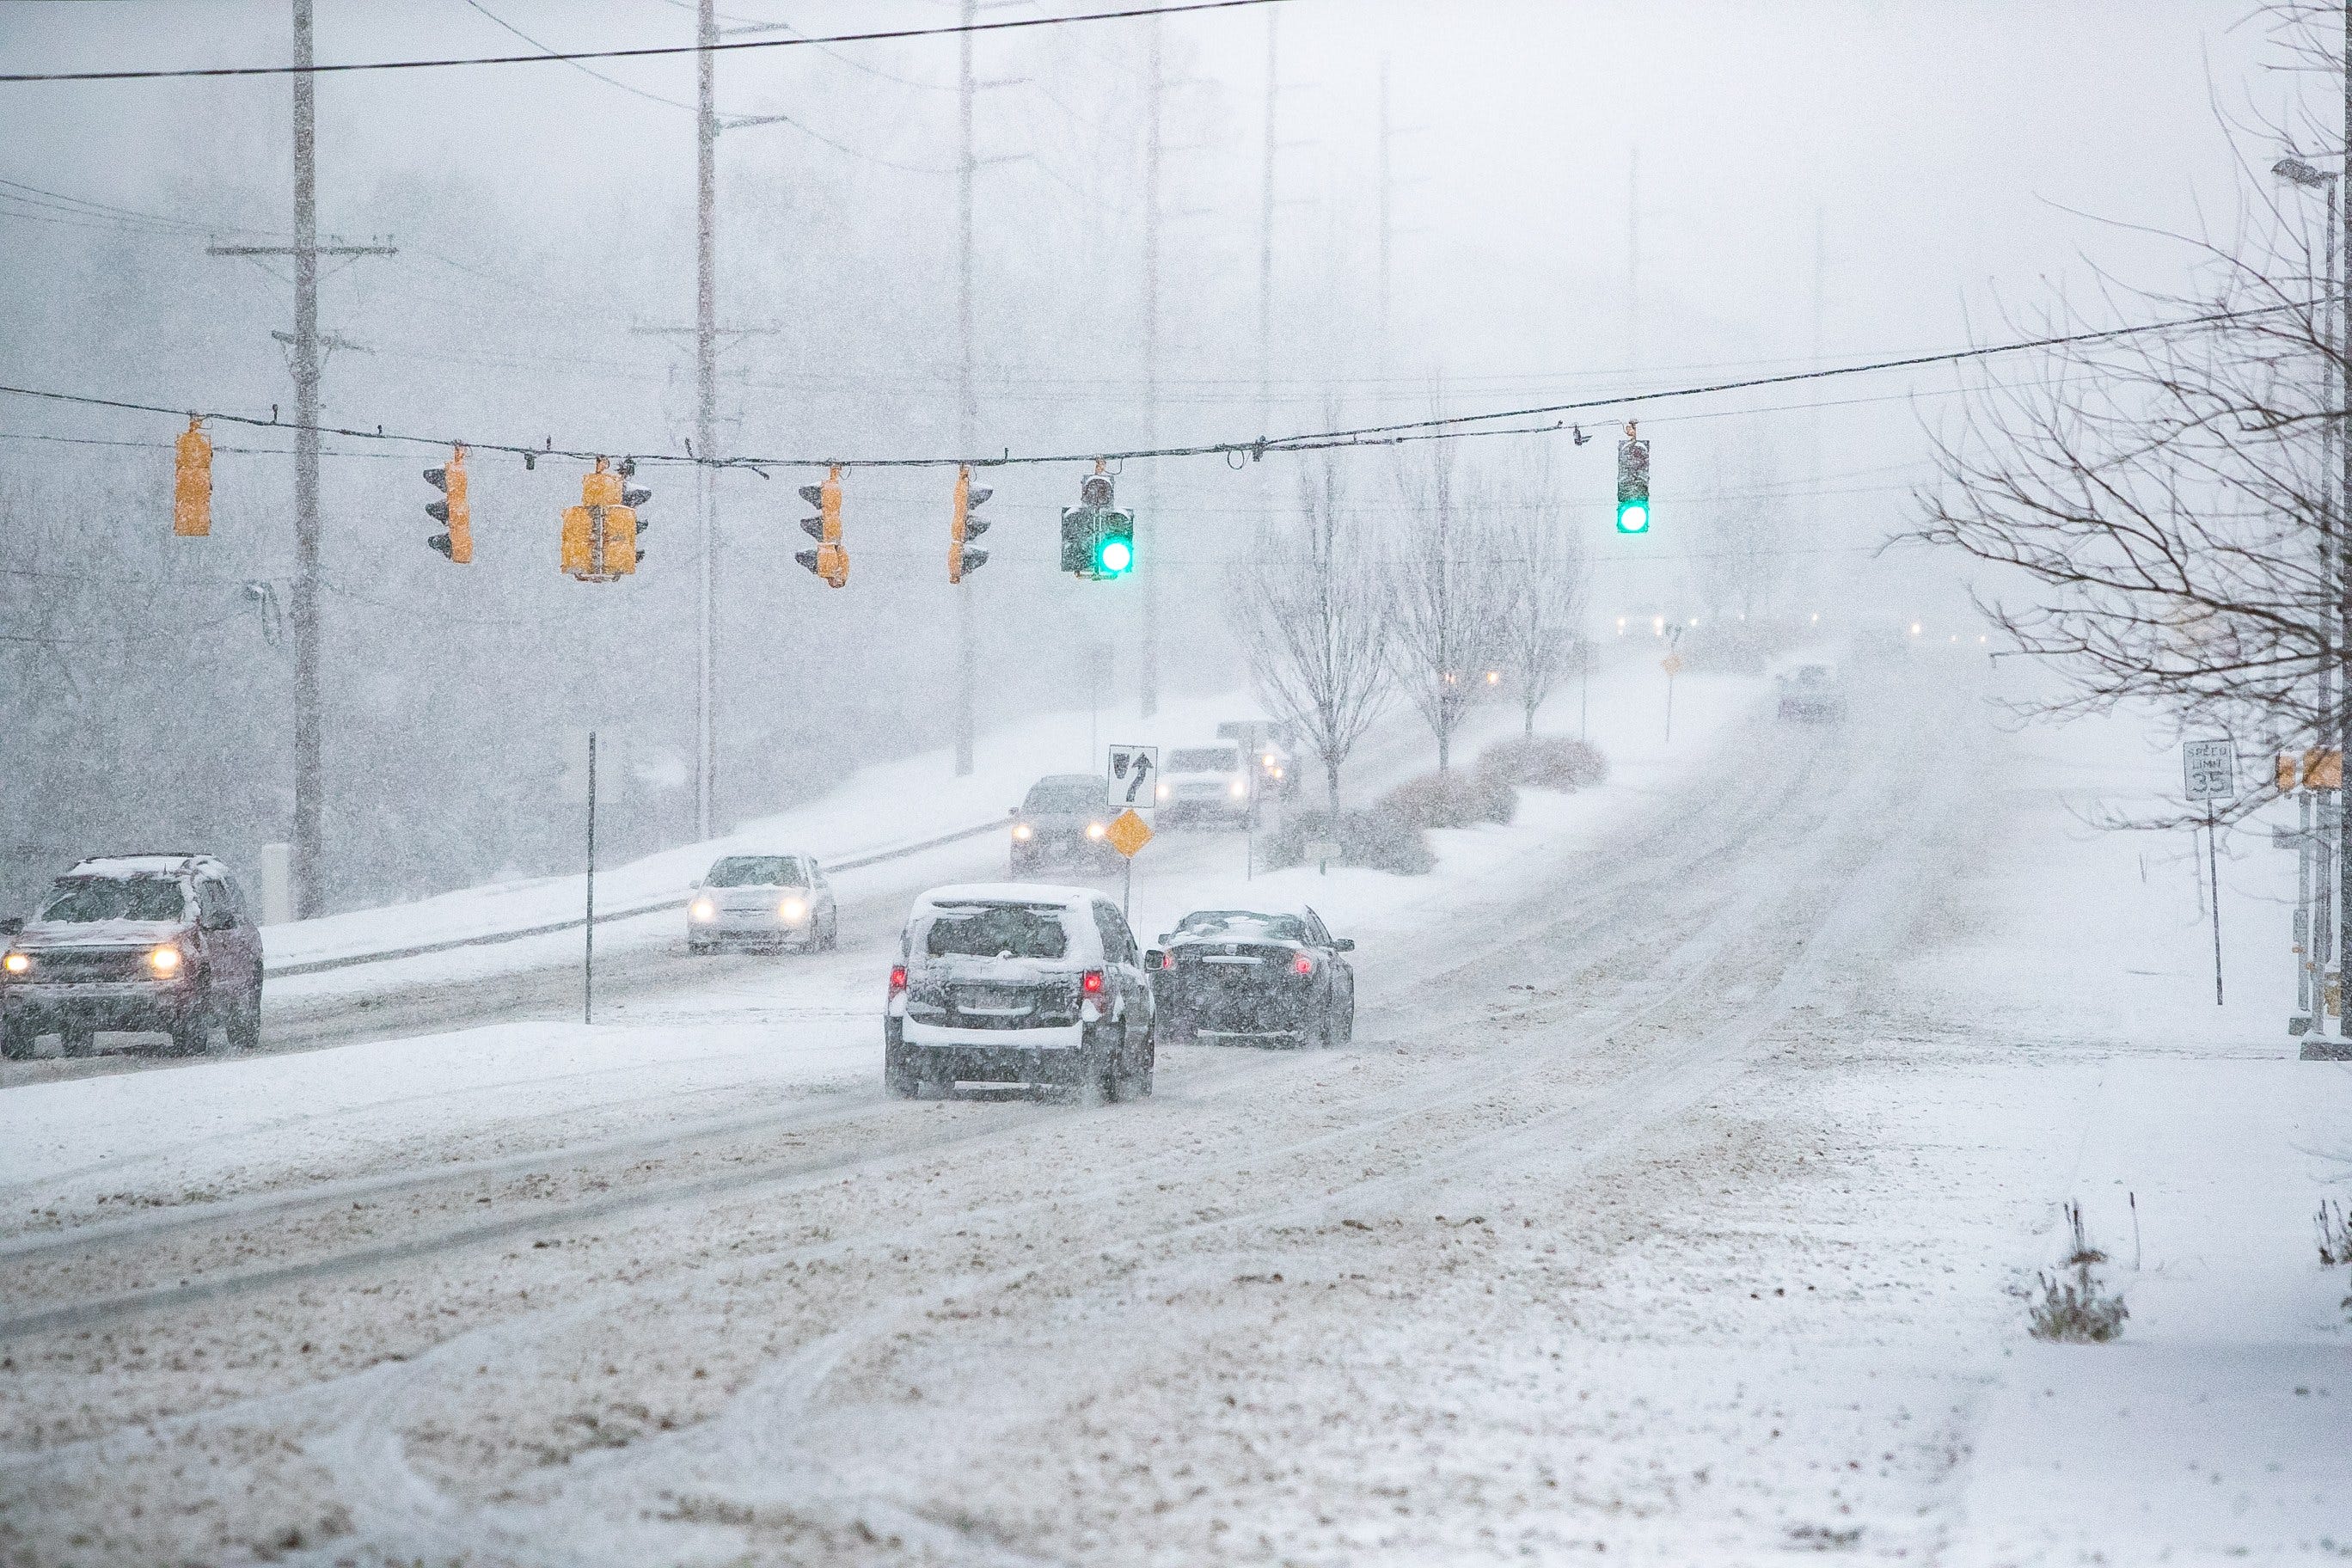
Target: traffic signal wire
pixel 656 51
pixel 1444 428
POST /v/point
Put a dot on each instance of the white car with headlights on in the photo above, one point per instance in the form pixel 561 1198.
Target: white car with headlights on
pixel 768 901
pixel 1018 983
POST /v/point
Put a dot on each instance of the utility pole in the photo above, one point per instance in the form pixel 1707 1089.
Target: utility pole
pixel 706 332
pixel 705 401
pixel 1634 260
pixel 967 407
pixel 1148 649
pixel 1265 230
pixel 309 840
pixel 1387 221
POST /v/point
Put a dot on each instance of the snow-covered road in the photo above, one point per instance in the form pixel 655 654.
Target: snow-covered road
pixel 1666 1208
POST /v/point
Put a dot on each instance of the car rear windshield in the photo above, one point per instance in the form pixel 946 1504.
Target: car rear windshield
pixel 990 930
pixel 755 871
pixel 1243 925
pixel 1081 795
pixel 1209 760
pixel 116 898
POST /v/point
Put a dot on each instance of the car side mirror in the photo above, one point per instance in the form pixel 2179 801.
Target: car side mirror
pixel 1155 958
pixel 220 921
pixel 1343 945
pixel 11 924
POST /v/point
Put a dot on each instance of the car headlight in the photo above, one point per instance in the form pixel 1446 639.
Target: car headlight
pixel 17 964
pixel 1238 788
pixel 1095 830
pixel 792 909
pixel 164 960
pixel 704 909
pixel 1163 792
pixel 1023 832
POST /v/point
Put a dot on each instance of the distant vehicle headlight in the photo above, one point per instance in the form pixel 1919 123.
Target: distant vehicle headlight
pixel 1023 832
pixel 792 909
pixel 1238 788
pixel 17 964
pixel 1095 830
pixel 164 960
pixel 1163 792
pixel 704 909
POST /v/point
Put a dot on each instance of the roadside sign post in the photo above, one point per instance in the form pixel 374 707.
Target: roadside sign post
pixel 1127 832
pixel 1673 665
pixel 2210 772
pixel 588 928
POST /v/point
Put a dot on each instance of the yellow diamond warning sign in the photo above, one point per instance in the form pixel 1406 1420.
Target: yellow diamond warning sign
pixel 1128 833
pixel 1672 663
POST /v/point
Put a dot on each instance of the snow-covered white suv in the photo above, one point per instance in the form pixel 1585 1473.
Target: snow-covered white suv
pixel 1018 983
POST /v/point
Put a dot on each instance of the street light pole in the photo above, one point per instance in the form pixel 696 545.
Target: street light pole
pixel 2341 211
pixel 2331 933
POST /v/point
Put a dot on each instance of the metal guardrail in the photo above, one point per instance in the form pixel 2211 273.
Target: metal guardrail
pixel 490 939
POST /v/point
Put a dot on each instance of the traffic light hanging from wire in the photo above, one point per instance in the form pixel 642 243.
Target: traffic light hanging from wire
pixel 191 482
pixel 1098 539
pixel 453 512
pixel 1632 483
pixel 600 534
pixel 965 527
pixel 829 560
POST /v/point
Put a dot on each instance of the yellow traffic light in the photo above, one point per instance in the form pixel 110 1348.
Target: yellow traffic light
pixel 829 560
pixel 579 544
pixel 620 541
pixel 964 527
pixel 192 483
pixel 453 510
pixel 600 534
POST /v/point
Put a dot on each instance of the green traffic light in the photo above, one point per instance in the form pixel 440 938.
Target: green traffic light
pixel 1113 555
pixel 1634 516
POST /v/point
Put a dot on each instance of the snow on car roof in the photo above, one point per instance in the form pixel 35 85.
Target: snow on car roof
pixel 1044 895
pixel 127 867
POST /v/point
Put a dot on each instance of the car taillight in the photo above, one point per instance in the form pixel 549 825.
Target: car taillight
pixel 1168 960
pixel 1091 983
pixel 898 978
pixel 1302 964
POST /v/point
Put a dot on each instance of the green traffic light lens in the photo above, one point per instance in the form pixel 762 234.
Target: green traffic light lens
pixel 1116 555
pixel 1634 516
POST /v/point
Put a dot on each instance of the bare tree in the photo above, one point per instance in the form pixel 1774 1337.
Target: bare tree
pixel 2165 505
pixel 1447 597
pixel 1309 612
pixel 1543 570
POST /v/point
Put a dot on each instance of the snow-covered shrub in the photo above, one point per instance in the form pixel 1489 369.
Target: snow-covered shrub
pixel 1545 762
pixel 1453 799
pixel 2335 1233
pixel 2077 1312
pixel 1379 840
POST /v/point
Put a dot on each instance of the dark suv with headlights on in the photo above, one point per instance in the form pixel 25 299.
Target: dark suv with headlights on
pixel 136 943
pixel 1063 820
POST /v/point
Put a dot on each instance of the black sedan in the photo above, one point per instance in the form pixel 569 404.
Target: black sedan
pixel 1237 975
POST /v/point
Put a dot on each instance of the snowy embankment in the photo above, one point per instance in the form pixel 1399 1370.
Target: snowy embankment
pixel 799 1027
pixel 2200 1149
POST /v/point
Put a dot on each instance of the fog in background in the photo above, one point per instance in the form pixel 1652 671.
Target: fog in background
pixel 1587 200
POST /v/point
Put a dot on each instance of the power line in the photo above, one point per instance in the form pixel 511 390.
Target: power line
pixel 654 51
pixel 1444 427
